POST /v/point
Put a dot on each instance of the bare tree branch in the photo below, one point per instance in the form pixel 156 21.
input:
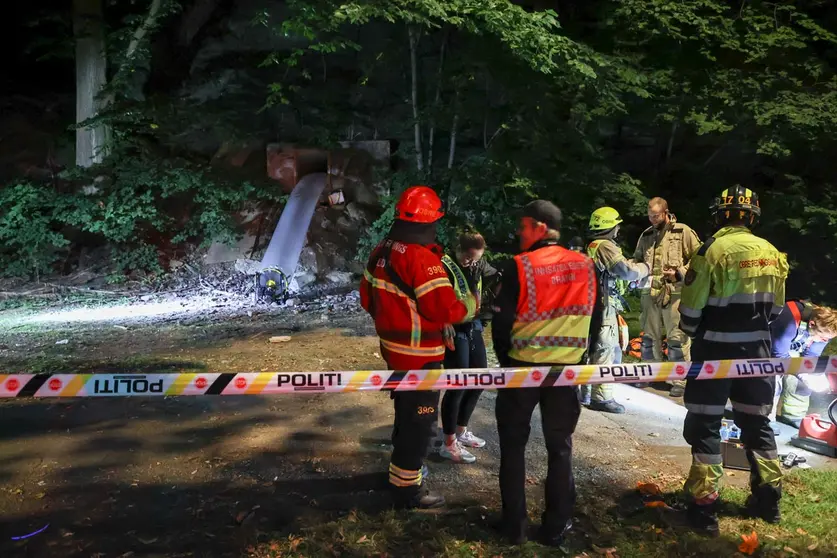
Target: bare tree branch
pixel 139 35
pixel 454 125
pixel 415 35
pixel 436 101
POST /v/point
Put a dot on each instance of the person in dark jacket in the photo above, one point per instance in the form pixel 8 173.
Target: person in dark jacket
pixel 467 272
pixel 548 312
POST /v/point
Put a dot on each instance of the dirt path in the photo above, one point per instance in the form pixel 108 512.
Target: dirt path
pixel 206 476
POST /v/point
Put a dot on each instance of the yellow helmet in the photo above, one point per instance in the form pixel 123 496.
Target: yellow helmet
pixel 604 218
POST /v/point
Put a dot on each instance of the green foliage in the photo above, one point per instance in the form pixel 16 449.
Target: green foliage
pixel 28 237
pixel 142 203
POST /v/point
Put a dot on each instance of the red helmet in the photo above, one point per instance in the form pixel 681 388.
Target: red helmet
pixel 419 204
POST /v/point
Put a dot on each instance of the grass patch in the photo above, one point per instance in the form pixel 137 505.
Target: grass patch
pixel 605 527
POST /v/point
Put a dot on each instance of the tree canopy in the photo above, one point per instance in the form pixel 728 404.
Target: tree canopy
pixel 494 102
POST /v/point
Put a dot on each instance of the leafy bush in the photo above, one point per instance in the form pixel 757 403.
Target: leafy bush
pixel 132 203
pixel 28 232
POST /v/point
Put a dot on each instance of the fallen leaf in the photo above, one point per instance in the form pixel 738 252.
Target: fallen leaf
pixel 802 531
pixel 649 488
pixel 363 539
pixel 295 542
pixel 608 552
pixel 813 546
pixel 790 550
pixel 40 495
pixel 750 544
pixel 814 498
pixel 656 504
pixel 147 541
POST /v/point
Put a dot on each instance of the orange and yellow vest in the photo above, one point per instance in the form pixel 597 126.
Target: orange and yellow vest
pixel 555 306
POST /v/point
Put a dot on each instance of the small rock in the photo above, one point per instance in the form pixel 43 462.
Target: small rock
pixel 280 339
pixel 291 302
pixel 247 267
pixel 62 342
pixel 654 434
pixel 339 277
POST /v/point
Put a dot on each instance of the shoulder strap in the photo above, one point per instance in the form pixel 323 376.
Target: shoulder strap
pixel 807 310
pixel 385 253
pixel 702 250
pixel 794 310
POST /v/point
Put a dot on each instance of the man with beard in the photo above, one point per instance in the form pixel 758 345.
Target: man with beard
pixel 667 247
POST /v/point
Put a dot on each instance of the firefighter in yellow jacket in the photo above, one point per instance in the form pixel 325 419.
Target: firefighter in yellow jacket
pixel 666 246
pixel 611 265
pixel 733 290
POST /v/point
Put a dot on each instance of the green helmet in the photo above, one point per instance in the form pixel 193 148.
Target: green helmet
pixel 604 219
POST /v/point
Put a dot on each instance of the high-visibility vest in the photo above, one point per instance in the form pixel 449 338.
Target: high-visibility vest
pixel 555 308
pixel 460 282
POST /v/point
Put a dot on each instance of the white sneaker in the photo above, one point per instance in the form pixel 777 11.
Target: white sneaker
pixel 456 453
pixel 469 440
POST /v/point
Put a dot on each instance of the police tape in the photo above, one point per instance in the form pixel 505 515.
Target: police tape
pixel 273 383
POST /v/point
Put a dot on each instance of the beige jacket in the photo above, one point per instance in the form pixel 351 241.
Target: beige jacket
pixel 673 246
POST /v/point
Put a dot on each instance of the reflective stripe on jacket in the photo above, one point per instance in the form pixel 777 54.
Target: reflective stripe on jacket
pixel 734 288
pixel 612 265
pixel 672 246
pixel 555 306
pixel 460 282
pixel 407 292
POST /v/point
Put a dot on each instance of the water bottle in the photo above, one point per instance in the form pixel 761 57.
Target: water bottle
pixel 734 433
pixel 724 432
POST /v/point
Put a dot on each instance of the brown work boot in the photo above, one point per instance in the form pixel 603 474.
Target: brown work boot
pixel 422 499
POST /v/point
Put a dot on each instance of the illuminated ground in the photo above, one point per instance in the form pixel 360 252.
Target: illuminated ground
pixel 209 476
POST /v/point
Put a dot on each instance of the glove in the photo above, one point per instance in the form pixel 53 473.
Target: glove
pixel 448 334
pixel 816 382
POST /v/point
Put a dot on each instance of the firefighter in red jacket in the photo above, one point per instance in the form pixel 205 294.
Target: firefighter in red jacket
pixel 407 292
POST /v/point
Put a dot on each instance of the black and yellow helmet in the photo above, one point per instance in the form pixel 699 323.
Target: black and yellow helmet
pixel 736 203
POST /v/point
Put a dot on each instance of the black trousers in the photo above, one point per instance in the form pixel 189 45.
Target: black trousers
pixel 752 402
pixel 458 404
pixel 560 410
pixel 416 415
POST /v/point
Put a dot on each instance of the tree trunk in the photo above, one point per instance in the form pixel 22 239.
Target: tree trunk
pixel 136 39
pixel 194 19
pixel 454 125
pixel 671 140
pixel 93 142
pixel 436 102
pixel 415 34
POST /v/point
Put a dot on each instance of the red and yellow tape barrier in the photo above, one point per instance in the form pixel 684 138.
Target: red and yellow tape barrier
pixel 272 383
